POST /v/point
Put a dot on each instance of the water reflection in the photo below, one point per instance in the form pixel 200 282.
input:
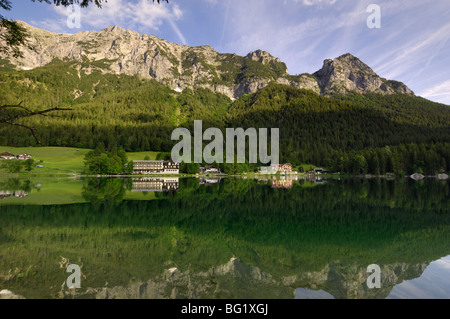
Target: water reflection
pixel 13 187
pixel 434 283
pixel 302 293
pixel 230 238
pixel 17 194
pixel 156 184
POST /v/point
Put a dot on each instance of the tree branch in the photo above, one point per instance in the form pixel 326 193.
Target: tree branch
pixel 10 119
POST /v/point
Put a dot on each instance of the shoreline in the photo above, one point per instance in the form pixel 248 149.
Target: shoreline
pixel 253 175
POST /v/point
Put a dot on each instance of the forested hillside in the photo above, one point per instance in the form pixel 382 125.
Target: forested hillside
pixel 354 133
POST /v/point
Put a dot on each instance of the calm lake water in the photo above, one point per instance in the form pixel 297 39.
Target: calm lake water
pixel 230 238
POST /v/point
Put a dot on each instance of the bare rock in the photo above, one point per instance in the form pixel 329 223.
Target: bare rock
pixel 180 67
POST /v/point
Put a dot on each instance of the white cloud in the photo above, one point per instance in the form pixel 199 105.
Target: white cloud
pixel 142 16
pixel 318 2
pixel 416 50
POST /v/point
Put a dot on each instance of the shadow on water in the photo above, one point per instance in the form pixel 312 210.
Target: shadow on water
pixel 230 238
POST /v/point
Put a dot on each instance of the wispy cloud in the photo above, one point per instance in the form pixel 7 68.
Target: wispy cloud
pixel 441 91
pixel 139 15
pixel 317 2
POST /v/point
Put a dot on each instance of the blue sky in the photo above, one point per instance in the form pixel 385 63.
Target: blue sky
pixel 411 46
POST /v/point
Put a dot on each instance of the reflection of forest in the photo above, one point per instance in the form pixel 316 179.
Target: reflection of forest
pixel 288 181
pixel 233 239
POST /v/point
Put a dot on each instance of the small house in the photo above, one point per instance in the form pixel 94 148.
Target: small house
pixel 7 156
pixel 24 157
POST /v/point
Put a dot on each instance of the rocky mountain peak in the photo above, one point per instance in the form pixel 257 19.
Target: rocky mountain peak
pixel 348 73
pixel 180 66
pixel 262 56
pixel 114 28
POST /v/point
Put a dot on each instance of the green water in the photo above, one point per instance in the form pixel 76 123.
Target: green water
pixel 229 239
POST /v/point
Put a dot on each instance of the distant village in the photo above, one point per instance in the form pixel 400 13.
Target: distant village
pixel 171 168
pixel 286 176
pixel 167 167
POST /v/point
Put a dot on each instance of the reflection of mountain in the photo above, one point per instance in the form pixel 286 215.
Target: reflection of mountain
pixel 349 281
pixel 156 184
pixel 318 238
pixel 236 280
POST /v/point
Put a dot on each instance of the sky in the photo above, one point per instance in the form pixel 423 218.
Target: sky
pixel 410 45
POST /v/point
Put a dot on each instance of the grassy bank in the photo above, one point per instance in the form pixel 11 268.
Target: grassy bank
pixel 63 160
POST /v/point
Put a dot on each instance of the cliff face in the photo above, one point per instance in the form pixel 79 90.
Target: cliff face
pixel 348 73
pixel 180 67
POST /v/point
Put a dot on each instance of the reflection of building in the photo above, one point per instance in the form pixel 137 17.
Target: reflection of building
pixel 18 194
pixel 5 194
pixel 210 181
pixel 317 179
pixel 284 182
pixel 156 184
pixel 156 167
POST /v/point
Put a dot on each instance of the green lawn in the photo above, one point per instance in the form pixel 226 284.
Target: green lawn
pixel 63 192
pixel 52 192
pixel 139 156
pixel 63 159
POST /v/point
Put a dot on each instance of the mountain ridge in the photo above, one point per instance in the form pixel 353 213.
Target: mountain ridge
pixel 180 66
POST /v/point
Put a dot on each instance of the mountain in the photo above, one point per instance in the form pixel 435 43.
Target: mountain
pixel 131 91
pixel 179 67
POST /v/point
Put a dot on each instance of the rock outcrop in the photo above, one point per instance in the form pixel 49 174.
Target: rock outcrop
pixel 348 73
pixel 6 294
pixel 121 51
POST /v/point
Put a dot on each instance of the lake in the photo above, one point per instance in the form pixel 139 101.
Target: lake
pixel 225 238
